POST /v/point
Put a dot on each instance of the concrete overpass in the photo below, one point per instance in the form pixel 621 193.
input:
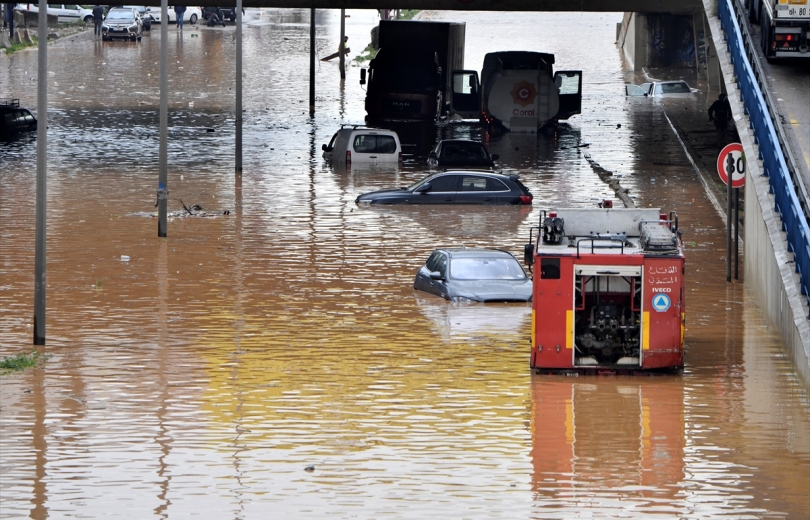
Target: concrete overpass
pixel 616 6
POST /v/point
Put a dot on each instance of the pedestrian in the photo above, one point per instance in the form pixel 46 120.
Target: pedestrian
pixel 720 113
pixel 342 49
pixel 180 11
pixel 10 19
pixel 98 18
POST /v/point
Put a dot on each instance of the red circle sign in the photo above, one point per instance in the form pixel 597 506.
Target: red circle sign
pixel 732 161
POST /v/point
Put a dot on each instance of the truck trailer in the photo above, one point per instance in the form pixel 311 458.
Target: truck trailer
pixel 409 80
pixel 608 291
pixel 784 26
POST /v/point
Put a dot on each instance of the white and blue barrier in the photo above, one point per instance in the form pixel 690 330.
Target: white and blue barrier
pixel 790 200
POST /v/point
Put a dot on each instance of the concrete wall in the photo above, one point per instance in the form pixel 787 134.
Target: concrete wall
pixel 29 19
pixel 663 40
pixel 770 275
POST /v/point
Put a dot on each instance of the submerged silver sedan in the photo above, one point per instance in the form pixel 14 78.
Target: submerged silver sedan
pixel 474 275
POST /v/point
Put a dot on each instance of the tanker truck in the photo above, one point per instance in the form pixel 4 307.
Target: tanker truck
pixel 520 92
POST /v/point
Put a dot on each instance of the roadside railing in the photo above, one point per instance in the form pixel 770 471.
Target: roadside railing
pixel 790 196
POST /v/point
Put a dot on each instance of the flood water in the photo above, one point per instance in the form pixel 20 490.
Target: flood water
pixel 202 376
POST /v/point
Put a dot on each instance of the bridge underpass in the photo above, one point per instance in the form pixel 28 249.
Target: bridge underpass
pixel 641 7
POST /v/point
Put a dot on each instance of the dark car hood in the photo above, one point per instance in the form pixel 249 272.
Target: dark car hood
pixel 493 290
pixel 487 163
pixel 394 193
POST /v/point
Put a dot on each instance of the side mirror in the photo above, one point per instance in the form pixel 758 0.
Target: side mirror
pixel 436 275
pixel 362 76
pixel 323 147
pixel 495 157
pixel 423 188
pixel 528 254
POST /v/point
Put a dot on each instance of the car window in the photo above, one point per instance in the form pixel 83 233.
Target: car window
pixel 71 7
pixel 476 183
pixel 120 15
pixel 386 144
pixel 473 183
pixel 331 145
pixel 522 187
pixel 673 88
pixel 432 263
pixel 365 143
pixel 438 263
pixel 443 183
pixel 486 268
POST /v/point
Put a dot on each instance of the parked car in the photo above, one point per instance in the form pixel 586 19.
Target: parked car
pixel 191 15
pixel 122 23
pixel 361 145
pixel 474 275
pixel 454 153
pixel 146 15
pixel 15 120
pixel 677 89
pixel 455 187
pixel 65 13
pixel 229 13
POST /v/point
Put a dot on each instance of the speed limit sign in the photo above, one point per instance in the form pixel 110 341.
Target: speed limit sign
pixel 731 162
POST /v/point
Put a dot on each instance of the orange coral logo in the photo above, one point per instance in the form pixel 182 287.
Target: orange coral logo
pixel 523 93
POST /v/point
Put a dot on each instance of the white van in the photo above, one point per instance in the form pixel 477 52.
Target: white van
pixel 361 145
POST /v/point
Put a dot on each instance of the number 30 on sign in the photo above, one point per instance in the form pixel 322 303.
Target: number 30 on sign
pixel 731 161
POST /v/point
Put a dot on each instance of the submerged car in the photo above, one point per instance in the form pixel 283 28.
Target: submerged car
pixel 362 145
pixel 15 120
pixel 122 23
pixel 146 15
pixel 474 275
pixel 454 153
pixel 455 187
pixel 658 89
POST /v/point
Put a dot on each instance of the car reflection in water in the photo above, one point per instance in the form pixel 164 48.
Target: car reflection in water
pixel 459 320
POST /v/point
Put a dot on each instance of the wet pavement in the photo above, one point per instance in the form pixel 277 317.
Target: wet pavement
pixel 203 375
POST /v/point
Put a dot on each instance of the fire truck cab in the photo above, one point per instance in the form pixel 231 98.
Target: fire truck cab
pixel 608 291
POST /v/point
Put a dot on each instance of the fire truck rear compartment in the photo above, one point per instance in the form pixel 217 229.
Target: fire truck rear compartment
pixel 607 319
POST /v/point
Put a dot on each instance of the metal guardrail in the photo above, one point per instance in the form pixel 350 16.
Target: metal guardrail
pixel 790 198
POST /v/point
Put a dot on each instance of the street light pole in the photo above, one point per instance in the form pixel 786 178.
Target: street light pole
pixel 238 85
pixel 163 189
pixel 312 61
pixel 42 177
pixel 342 46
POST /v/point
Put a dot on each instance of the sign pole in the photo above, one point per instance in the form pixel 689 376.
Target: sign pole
pixel 729 172
pixel 736 233
pixel 731 169
pixel 40 245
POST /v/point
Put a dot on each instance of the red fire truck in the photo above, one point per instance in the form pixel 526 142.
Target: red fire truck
pixel 608 291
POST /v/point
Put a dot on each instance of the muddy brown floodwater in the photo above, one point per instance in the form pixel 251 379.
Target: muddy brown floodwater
pixel 202 376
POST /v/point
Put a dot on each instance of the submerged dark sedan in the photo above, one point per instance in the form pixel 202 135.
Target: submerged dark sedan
pixel 474 275
pixel 456 153
pixel 455 187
